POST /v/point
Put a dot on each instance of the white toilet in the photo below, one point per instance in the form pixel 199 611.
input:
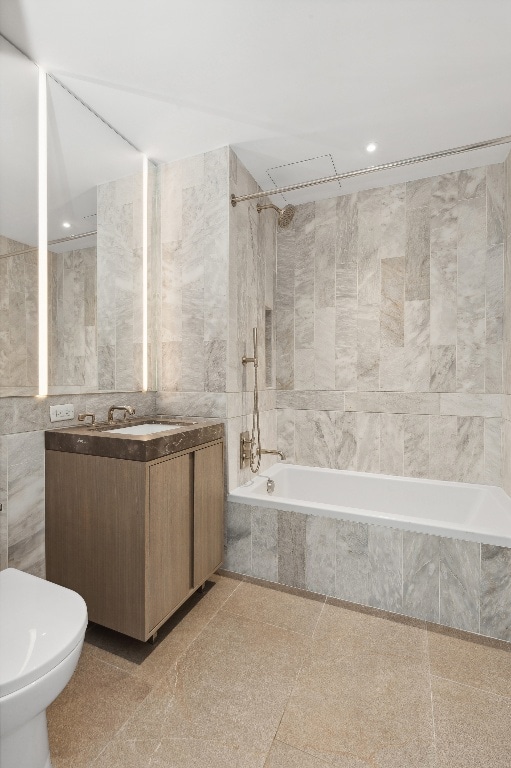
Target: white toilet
pixel 42 627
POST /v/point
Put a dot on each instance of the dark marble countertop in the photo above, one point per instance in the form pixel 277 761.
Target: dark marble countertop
pixel 99 441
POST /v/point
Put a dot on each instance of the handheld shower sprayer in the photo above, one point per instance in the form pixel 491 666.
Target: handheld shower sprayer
pixel 245 359
pixel 250 447
pixel 250 444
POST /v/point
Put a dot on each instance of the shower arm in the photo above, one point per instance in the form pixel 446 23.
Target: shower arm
pixel 235 199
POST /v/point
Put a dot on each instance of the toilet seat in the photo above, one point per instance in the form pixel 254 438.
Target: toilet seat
pixel 41 623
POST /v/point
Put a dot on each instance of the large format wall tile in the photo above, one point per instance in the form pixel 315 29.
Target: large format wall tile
pixel 459 584
pixel 414 317
pixel 265 532
pixel 456 448
pixel 385 553
pixel 292 537
pixel 352 561
pixel 320 533
pixel 238 538
pixel 421 554
pixel 26 502
pixel 3 502
pixel 496 591
pixel 424 576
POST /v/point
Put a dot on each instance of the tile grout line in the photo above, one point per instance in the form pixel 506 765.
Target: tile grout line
pixel 473 687
pixel 298 749
pixel 268 623
pixel 296 680
pixel 431 693
pixel 173 666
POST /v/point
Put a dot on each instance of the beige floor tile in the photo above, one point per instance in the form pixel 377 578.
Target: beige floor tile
pixel 177 753
pixel 123 753
pixel 472 660
pixel 202 606
pixel 175 711
pixel 473 727
pixel 348 629
pixel 369 709
pixel 284 756
pixel 142 660
pixel 271 606
pixel 230 686
pixel 150 662
pixel 235 655
pixel 197 753
pixel 91 709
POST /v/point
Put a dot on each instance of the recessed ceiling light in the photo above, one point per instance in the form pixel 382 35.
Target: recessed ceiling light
pixel 371 147
pixel 66 224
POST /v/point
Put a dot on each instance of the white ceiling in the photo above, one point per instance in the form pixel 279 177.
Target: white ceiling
pixel 284 81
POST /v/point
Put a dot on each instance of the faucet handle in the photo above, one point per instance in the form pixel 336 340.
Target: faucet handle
pixel 83 416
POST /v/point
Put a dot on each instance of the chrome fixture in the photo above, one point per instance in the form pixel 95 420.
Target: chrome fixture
pixel 250 443
pixel 83 416
pixel 272 453
pixel 126 408
pixel 245 449
pixel 250 451
pixel 250 446
pixel 60 240
pixel 285 215
pixel 372 169
pixel 270 485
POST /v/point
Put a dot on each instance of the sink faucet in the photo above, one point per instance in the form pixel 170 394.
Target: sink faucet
pixel 126 408
pixel 83 416
pixel 273 453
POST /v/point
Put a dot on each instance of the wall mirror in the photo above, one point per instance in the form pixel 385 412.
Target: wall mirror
pixel 18 223
pixel 95 231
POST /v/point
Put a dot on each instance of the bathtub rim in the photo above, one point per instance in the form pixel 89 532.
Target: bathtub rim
pixel 242 495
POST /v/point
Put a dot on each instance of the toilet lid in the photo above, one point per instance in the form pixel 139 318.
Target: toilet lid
pixel 40 624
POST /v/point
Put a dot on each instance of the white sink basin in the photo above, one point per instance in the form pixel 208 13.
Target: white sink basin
pixel 144 429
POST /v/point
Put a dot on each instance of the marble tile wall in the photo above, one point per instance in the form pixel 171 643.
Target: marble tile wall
pixel 453 582
pixel 72 348
pixel 119 282
pixel 22 424
pixel 18 319
pixel 390 329
pixel 252 249
pixel 217 274
pixel 507 337
pixel 194 273
pixel 428 435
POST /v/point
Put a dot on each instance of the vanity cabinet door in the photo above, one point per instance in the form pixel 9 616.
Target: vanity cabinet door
pixel 208 511
pixel 169 575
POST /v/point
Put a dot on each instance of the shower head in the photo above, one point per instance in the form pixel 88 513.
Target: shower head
pixel 285 215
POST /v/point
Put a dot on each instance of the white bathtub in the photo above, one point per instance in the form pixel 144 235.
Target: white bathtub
pixel 479 513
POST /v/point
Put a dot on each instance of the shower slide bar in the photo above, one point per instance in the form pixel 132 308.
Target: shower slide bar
pixel 372 169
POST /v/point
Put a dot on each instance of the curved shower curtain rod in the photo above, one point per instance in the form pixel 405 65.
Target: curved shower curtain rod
pixel 372 169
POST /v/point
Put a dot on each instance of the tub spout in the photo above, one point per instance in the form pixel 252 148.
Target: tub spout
pixel 273 453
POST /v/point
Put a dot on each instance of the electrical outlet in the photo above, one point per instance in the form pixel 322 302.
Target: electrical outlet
pixel 62 412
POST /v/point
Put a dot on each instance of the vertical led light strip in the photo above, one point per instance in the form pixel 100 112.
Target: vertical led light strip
pixel 144 271
pixel 42 236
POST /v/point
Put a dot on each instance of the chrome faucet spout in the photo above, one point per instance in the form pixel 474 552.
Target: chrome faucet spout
pixel 272 453
pixel 128 410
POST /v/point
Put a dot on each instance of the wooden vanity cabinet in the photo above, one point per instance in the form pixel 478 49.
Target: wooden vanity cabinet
pixel 134 538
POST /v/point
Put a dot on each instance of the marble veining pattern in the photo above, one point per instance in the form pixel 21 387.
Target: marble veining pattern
pixel 415 320
pixel 18 319
pixel 456 583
